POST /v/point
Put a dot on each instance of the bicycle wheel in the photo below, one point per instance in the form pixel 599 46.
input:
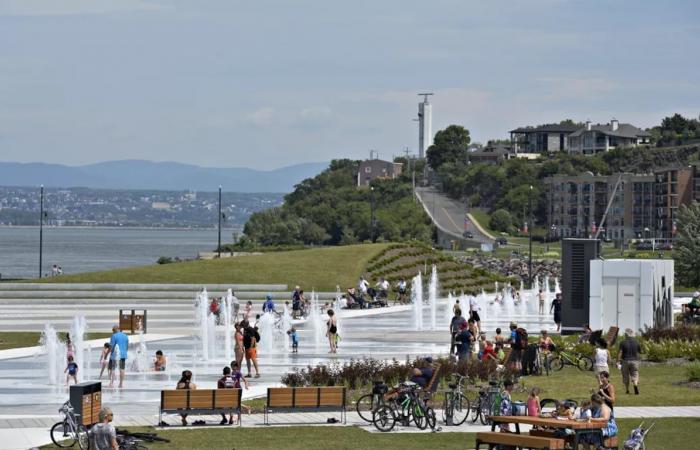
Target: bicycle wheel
pixel 384 418
pixel 476 410
pixel 61 435
pixel 83 437
pixel 460 409
pixel 556 364
pixel 431 419
pixel 485 413
pixel 365 407
pixel 584 363
pixel 419 416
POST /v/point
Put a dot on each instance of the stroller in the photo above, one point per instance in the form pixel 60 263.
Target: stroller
pixel 636 439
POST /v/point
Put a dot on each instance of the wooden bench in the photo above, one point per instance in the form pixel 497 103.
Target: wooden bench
pixel 200 401
pixel 433 383
pixel 611 337
pixel 608 443
pixel 319 399
pixel 519 441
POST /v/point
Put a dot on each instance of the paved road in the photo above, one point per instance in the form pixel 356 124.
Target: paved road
pixel 448 214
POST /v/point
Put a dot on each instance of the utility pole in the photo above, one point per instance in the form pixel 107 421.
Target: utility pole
pixel 218 248
pixel 529 202
pixel 41 228
pixel 371 215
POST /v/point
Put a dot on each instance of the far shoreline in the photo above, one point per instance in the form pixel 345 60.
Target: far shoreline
pixel 112 227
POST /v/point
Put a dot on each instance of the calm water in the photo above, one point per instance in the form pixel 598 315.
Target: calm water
pixel 91 249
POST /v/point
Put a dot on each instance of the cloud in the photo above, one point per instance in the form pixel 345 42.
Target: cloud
pixel 70 7
pixel 563 88
pixel 261 116
pixel 316 116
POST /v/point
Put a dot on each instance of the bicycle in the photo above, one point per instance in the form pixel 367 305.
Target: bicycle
pixel 368 403
pixel 405 405
pixel 456 405
pixel 484 407
pixel 67 432
pixel 563 358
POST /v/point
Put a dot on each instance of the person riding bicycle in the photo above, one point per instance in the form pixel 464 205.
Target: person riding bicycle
pixel 103 435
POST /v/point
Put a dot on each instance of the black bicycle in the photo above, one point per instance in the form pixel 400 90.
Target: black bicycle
pixel 456 405
pixel 404 406
pixel 368 403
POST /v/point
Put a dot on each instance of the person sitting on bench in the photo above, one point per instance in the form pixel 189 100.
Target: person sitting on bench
pixel 355 298
pixel 422 375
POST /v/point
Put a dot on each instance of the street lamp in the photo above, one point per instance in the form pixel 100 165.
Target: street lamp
pixel 218 248
pixel 529 203
pixel 41 228
pixel 371 214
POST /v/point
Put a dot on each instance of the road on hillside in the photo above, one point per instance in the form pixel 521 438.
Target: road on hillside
pixel 448 214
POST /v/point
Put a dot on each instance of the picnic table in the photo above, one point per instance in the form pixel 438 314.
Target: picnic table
pixel 580 427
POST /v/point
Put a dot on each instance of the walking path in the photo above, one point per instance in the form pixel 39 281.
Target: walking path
pixel 22 432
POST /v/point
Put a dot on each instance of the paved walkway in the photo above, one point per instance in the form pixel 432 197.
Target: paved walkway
pixel 22 432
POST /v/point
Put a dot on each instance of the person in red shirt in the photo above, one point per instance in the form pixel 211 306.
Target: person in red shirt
pixel 488 350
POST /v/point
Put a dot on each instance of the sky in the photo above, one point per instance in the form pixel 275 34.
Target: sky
pixel 267 84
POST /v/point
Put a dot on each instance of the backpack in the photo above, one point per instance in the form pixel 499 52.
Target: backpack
pixel 521 338
pixel 229 382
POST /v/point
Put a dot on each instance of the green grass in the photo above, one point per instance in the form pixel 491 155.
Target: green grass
pixel 18 339
pixel 668 433
pixel 656 386
pixel 483 218
pixel 319 268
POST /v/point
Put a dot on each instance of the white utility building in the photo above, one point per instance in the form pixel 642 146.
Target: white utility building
pixel 631 293
pixel 425 125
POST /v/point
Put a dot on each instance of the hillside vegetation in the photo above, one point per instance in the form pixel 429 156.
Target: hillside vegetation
pixel 319 268
pixel 329 209
pixel 406 260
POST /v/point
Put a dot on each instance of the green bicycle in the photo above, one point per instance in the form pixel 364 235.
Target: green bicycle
pixel 564 358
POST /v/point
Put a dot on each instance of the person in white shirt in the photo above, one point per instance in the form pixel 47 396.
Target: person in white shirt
pixel 474 311
pixel 362 286
pixel 383 286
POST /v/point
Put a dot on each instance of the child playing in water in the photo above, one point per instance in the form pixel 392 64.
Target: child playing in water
pixel 72 370
pixel 70 350
pixel 295 340
pixel 104 358
pixel 159 362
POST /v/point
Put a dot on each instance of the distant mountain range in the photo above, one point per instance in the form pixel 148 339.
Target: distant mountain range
pixel 137 174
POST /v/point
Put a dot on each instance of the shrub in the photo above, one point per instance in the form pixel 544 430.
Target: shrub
pixel 682 332
pixel 501 220
pixel 692 372
pixel 667 349
pixel 164 260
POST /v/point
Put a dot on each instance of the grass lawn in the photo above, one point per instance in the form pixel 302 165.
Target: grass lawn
pixel 673 433
pixel 655 382
pixel 17 339
pixel 319 268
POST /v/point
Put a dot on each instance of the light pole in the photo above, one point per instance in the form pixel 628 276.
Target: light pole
pixel 529 230
pixel 218 248
pixel 41 228
pixel 371 214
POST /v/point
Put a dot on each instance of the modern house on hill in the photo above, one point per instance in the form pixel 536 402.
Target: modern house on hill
pixel 491 154
pixel 602 138
pixel 542 138
pixel 371 169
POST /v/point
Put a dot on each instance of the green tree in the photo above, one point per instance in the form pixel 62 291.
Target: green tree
pixel 687 249
pixel 449 144
pixel 501 220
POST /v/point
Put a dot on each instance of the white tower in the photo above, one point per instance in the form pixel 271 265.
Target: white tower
pixel 425 125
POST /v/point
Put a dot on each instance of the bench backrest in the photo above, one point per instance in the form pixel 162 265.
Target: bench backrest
pixel 611 337
pixel 306 397
pixel 200 399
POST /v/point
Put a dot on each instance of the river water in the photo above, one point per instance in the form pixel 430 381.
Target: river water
pixel 92 249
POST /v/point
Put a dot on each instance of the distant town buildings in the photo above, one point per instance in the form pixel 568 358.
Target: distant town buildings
pixel 490 154
pixel 372 169
pixel 642 206
pixel 586 139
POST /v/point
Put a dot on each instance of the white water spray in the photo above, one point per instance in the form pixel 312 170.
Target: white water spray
pixel 417 299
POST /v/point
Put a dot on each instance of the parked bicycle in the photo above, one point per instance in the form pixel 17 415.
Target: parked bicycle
pixel 564 358
pixel 485 407
pixel 456 405
pixel 404 406
pixel 368 403
pixel 69 430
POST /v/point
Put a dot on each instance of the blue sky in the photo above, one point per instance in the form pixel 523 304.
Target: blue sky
pixel 271 83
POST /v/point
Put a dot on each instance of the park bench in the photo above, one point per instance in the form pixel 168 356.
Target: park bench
pixel 520 441
pixel 200 401
pixel 312 399
pixel 611 337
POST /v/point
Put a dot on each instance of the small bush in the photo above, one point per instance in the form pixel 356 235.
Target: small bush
pixel 692 372
pixel 164 260
pixel 681 332
pixel 501 220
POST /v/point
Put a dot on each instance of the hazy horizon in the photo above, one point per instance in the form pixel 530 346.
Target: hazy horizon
pixel 220 83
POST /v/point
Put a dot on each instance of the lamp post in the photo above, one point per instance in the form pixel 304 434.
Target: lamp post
pixel 371 214
pixel 529 264
pixel 41 228
pixel 218 247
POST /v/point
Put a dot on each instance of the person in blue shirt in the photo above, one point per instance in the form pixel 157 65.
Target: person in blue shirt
pixel 120 346
pixel 269 305
pixel 295 339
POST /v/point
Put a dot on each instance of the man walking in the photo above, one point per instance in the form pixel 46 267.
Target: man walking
pixel 456 325
pixel 628 361
pixel 103 435
pixel 119 344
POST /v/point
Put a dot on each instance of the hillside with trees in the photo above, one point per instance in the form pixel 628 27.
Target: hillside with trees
pixel 329 209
